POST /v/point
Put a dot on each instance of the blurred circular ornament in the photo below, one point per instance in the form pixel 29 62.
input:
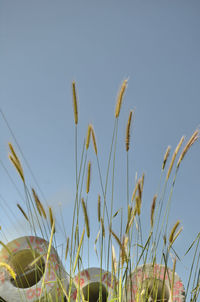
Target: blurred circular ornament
pixel 151 283
pixel 35 278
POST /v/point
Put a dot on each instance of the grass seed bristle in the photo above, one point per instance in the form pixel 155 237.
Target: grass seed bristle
pixel 22 211
pixel 86 217
pixel 128 131
pixel 119 98
pixel 174 156
pixel 75 106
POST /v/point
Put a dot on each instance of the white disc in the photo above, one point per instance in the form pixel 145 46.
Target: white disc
pixel 89 282
pixel 146 284
pixel 29 279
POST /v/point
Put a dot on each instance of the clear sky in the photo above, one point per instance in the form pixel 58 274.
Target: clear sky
pixel 44 46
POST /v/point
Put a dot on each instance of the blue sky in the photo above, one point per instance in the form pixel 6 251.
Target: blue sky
pixel 45 45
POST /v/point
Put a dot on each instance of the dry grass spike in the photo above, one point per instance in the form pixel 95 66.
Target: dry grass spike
pixel 17 166
pixel 94 139
pixel 103 228
pixel 39 205
pixel 138 203
pixel 52 222
pixel 88 136
pixel 171 236
pixel 86 217
pixel 88 177
pixel 128 131
pixel 22 211
pixel 13 153
pixel 174 156
pixel 166 157
pixel 99 208
pixel 153 209
pixel 67 248
pixel 120 97
pixel 75 106
pixel 116 238
pixel 191 141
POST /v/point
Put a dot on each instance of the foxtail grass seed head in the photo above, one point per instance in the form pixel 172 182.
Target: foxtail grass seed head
pixel 166 157
pixel 129 213
pixel 130 222
pixel 116 238
pixel 174 156
pixel 138 205
pixel 134 192
pixel 13 153
pixel 139 189
pixel 191 141
pixel 128 131
pixel 17 166
pixel 86 217
pixel 37 202
pixel 67 248
pixel 99 208
pixel 9 269
pixel 119 98
pixel 75 106
pixel 94 140
pixel 88 136
pixel 153 209
pixel 39 205
pixel 22 211
pixel 51 218
pixel 176 235
pixel 124 249
pixel 102 227
pixel 142 181
pixel 88 177
pixel 165 240
pixel 171 236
